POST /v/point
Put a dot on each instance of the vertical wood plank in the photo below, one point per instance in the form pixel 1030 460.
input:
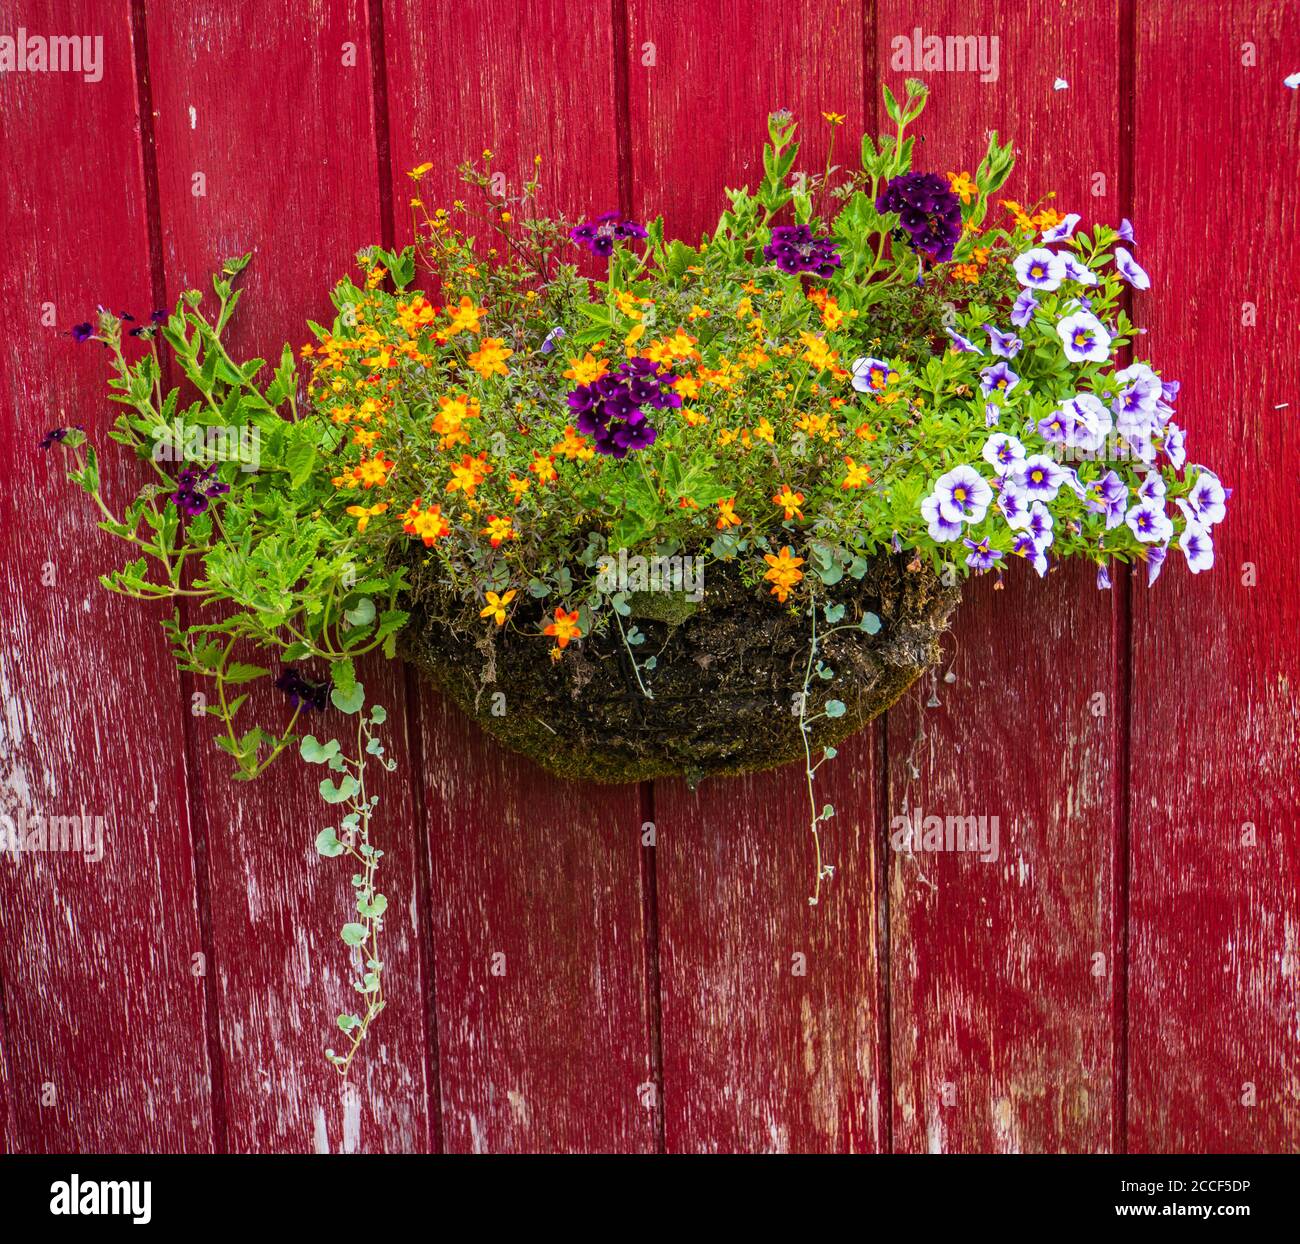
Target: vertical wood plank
pixel 302 197
pixel 772 1011
pixel 1214 977
pixel 104 1047
pixel 1003 1038
pixel 537 878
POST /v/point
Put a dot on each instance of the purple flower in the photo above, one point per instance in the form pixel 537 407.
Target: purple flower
pixel 302 691
pixel 928 212
pixel 551 338
pixel 1197 547
pixel 981 557
pixel 1025 546
pixel 964 495
pixel 1109 496
pixel 1023 311
pixel 793 248
pixel 55 434
pixel 1014 504
pixel 941 530
pixel 1004 345
pixel 1085 338
pixel 998 379
pixel 1038 526
pixel 1075 271
pixel 872 375
pixel 1131 270
pixel 1089 422
pixel 1149 523
pixel 83 332
pixel 599 235
pixel 610 409
pixel 962 345
pixel 1103 576
pixel 1155 562
pixel 195 488
pixel 1058 233
pixel 1040 477
pixel 1003 453
pixel 1206 504
pixel 1125 232
pixel 1040 269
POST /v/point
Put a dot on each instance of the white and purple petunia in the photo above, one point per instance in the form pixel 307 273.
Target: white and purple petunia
pixel 1055 428
pixel 1014 505
pixel 872 375
pixel 941 530
pixel 1058 233
pixel 1040 477
pixel 964 495
pixel 1023 310
pixel 1153 488
pixel 1125 232
pixel 1004 345
pixel 1040 524
pixel 1103 576
pixel 1148 521
pixel 981 557
pixel 1109 496
pixel 1003 453
pixel 1197 547
pixel 992 414
pixel 1206 504
pixel 1085 338
pixel 1040 269
pixel 1155 562
pixel 1076 271
pixel 1090 422
pixel 1026 547
pixel 998 379
pixel 1175 445
pixel 962 345
pixel 1131 270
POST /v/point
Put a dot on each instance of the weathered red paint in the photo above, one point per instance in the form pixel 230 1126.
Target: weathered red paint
pixel 1124 976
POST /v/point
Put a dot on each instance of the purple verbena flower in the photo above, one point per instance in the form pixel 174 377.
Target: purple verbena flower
pixel 928 212
pixel 793 248
pixel 599 235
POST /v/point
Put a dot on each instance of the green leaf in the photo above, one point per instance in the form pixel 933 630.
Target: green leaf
pixel 299 459
pixel 835 708
pixel 237 672
pixel 328 844
pixel 363 614
pixel 870 623
pixel 354 934
pixel 337 794
pixel 378 714
pixel 349 701
pixel 316 753
pixel 374 907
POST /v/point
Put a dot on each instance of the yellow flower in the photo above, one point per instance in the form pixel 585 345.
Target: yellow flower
pixel 518 487
pixel 764 431
pixel 373 472
pixel 727 514
pixel 363 514
pixel 835 118
pixel 586 369
pixel 564 628
pixel 857 475
pixel 817 352
pixel 451 416
pixel 464 317
pixel 573 447
pixel 496 606
pixel 962 186
pixel 790 501
pixel 416 173
pixel 499 530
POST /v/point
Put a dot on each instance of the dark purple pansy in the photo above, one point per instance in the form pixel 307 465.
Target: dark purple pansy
pixel 83 332
pixel 302 692
pixel 599 235
pixel 610 410
pixel 794 248
pixel 928 211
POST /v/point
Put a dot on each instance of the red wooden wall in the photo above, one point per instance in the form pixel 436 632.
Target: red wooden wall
pixel 1127 976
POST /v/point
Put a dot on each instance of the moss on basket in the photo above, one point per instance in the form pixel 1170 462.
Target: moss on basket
pixel 724 687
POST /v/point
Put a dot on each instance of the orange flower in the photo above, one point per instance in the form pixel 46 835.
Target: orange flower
pixel 451 417
pixel 490 358
pixel 363 514
pixel 790 501
pixel 496 606
pixel 783 572
pixel 499 530
pixel 586 369
pixel 542 468
pixel 428 525
pixel 372 472
pixel 962 186
pixel 465 317
pixel 727 514
pixel 857 475
pixel 468 474
pixel 564 628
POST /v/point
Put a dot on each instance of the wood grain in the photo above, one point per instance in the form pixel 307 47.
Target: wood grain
pixel 1214 1002
pixel 104 1045
pixel 1003 1032
pixel 300 194
pixel 556 1053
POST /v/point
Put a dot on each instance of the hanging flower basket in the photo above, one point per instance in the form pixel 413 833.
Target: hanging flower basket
pixel 725 692
pixel 858 389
